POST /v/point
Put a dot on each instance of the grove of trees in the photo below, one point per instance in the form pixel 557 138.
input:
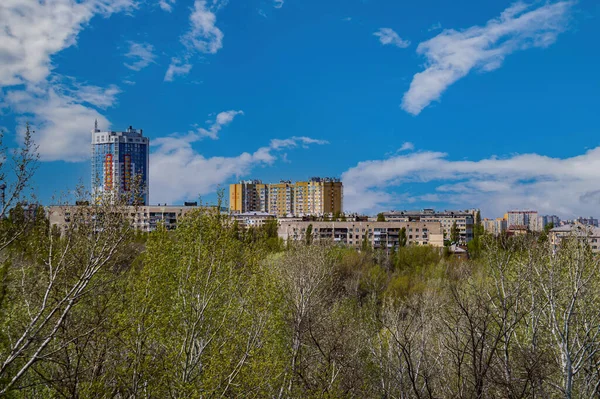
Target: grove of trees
pixel 213 310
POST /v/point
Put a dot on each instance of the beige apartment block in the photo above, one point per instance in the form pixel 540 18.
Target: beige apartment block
pixel 281 198
pixel 352 233
pixel 318 196
pixel 142 218
pixel 248 196
pixel 464 220
pixel 585 233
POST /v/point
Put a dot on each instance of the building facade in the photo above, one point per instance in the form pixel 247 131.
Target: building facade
pixel 120 165
pixel 464 220
pixel 252 219
pixel 316 197
pixel 354 234
pixel 494 226
pixel 586 233
pixel 529 219
pixel 248 196
pixel 142 218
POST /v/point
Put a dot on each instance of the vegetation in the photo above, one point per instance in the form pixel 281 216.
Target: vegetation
pixel 213 310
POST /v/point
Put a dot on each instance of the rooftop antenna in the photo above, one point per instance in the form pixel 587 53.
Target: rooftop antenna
pixel 96 126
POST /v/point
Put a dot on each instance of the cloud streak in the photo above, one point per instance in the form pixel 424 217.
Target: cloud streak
pixel 452 54
pixel 177 68
pixel 140 55
pixel 387 36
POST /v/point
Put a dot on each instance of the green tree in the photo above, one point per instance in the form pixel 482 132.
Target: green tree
pixel 380 217
pixel 454 233
pixel 402 239
pixel 309 234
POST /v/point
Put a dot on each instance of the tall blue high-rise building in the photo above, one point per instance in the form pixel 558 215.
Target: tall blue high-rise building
pixel 120 162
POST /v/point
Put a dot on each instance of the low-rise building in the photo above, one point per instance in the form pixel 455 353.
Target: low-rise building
pixel 354 233
pixel 142 218
pixel 587 233
pixel 464 220
pixel 253 219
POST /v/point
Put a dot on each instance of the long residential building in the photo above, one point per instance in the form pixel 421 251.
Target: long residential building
pixel 315 197
pixel 354 233
pixel 142 218
pixel 464 220
pixel 587 233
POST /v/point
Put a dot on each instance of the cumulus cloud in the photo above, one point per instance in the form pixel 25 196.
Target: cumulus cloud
pixel 564 186
pixel 278 3
pixel 176 68
pixel 452 54
pixel 31 31
pixel 140 55
pixel 60 119
pixel 388 37
pixel 178 172
pixel 203 35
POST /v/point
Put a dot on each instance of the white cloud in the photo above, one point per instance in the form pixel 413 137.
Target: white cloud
pixel 388 36
pixel 203 35
pixel 436 26
pixel 31 31
pixel 61 122
pixel 140 55
pixel 452 54
pixel 223 119
pixel 166 5
pixel 278 3
pixel 177 67
pixel 178 172
pixel 407 146
pixel 94 95
pixel 566 186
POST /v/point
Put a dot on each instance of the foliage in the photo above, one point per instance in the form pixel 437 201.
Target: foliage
pixel 216 310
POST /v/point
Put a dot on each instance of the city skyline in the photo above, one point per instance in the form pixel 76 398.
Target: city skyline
pixel 412 106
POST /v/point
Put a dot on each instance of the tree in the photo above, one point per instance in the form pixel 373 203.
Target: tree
pixel 402 237
pixel 380 217
pixel 309 234
pixel 49 287
pixel 454 233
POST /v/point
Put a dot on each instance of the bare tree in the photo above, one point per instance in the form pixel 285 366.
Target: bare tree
pixel 566 284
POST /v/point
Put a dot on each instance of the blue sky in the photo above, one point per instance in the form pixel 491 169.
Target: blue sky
pixel 413 104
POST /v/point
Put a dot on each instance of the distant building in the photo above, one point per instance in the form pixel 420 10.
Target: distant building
pixel 252 219
pixel 142 218
pixel 464 220
pixel 248 196
pixel 591 221
pixel 353 233
pixel 587 233
pixel 120 164
pixel 315 197
pixel 545 220
pixel 494 226
pixel 529 219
